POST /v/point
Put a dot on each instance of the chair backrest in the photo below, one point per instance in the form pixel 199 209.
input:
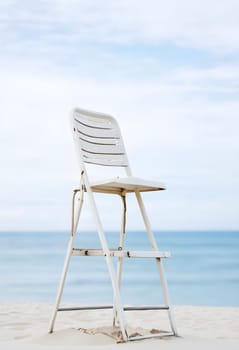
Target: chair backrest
pixel 98 138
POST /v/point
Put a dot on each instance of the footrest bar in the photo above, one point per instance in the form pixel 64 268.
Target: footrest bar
pixel 121 253
pixel 158 335
pixel 147 307
pixel 125 308
pixel 98 307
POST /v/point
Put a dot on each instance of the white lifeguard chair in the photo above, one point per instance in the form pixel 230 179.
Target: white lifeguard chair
pixel 98 141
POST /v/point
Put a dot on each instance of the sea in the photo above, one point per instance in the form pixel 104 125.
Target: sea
pixel 203 269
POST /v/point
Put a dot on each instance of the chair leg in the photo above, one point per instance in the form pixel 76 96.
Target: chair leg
pixel 122 238
pixel 159 262
pixel 112 273
pixel 67 259
pixel 121 247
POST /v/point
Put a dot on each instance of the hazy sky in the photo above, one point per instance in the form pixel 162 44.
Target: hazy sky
pixel 168 70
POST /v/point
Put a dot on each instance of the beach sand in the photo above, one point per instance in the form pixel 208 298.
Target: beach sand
pixel 25 325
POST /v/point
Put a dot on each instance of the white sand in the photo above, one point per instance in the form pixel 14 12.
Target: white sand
pixel 24 326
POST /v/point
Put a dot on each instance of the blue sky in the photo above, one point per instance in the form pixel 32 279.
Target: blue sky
pixel 167 70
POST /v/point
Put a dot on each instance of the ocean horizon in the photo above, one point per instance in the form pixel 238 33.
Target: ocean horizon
pixel 203 269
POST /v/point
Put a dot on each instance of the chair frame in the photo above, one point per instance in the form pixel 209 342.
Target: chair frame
pixel 109 254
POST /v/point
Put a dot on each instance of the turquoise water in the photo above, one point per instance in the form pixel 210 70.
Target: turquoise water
pixel 203 270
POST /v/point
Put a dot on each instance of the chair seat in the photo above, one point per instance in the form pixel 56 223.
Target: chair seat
pixel 118 185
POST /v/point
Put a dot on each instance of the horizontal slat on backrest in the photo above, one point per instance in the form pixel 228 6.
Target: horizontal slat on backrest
pixel 99 138
pixel 105 160
pixel 96 132
pixel 92 119
pixel 100 148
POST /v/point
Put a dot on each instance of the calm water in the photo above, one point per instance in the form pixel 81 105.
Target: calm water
pixel 203 270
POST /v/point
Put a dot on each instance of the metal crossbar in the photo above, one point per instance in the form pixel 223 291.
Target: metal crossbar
pixel 121 253
pixel 156 335
pixel 105 307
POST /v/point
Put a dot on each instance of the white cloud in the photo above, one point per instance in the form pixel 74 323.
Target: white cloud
pixel 209 25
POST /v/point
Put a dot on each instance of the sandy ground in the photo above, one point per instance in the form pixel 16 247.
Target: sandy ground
pixel 25 326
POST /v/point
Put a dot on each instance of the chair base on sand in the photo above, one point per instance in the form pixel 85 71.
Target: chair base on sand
pixel 119 254
pixel 115 331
